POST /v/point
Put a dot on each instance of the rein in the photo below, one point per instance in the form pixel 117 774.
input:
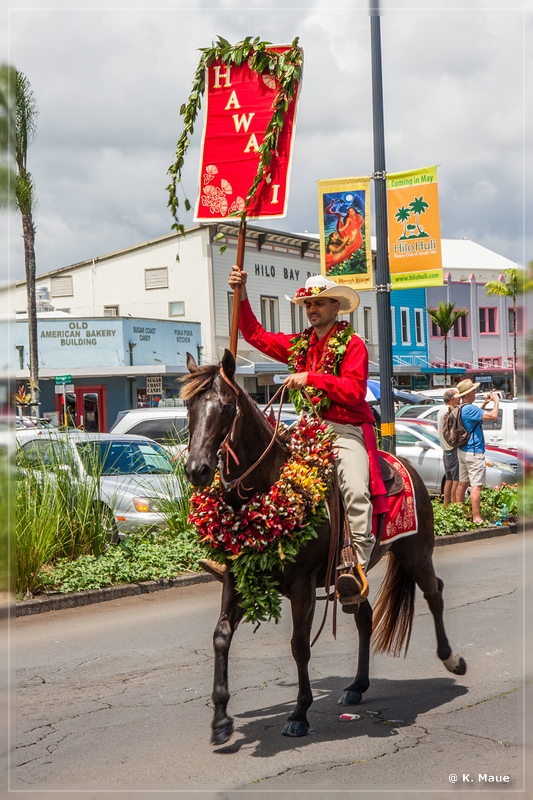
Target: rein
pixel 225 447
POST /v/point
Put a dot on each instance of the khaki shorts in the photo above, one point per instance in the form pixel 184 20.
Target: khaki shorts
pixel 472 468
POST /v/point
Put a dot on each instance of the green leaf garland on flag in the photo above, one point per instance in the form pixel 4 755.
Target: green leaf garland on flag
pixel 286 67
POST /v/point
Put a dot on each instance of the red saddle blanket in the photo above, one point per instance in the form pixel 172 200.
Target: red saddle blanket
pixel 400 517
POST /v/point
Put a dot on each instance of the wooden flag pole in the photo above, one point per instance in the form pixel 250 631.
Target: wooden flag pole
pixel 241 242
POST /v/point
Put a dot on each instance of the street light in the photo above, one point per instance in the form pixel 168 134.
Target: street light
pixel 383 285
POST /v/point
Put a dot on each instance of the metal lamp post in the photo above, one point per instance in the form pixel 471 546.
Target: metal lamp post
pixel 383 286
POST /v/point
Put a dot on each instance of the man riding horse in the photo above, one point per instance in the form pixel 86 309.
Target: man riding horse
pixel 329 368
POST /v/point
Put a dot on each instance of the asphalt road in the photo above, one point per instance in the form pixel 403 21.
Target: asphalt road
pixel 113 700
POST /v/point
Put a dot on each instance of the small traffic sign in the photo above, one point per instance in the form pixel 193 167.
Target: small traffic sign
pixel 60 379
pixel 61 388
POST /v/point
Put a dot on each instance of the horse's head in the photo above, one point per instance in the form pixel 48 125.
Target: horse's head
pixel 211 399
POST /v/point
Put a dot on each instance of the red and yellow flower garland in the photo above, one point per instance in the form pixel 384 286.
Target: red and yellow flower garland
pixel 289 505
pixel 332 355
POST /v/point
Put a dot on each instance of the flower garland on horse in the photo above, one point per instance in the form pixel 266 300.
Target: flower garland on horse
pixel 272 526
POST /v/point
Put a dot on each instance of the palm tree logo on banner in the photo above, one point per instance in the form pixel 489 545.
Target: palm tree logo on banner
pixel 414 230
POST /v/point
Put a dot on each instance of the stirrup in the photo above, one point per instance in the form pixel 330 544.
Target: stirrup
pixel 352 588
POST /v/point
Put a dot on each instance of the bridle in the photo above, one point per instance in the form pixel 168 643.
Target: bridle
pixel 226 451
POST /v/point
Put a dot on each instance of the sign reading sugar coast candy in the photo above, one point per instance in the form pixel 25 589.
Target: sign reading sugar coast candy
pixel 415 256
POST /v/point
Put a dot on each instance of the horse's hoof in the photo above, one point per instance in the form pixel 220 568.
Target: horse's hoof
pixel 295 728
pixel 349 698
pixel 455 664
pixel 223 734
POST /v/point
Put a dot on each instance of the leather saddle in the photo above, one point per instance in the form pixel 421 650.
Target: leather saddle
pixel 392 479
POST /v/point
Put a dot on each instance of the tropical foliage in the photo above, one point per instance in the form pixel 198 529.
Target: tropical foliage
pixel 140 557
pixel 445 318
pixel 512 283
pixel 169 553
pixel 25 130
pixel 7 134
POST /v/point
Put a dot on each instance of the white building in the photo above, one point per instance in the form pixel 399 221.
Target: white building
pixel 185 279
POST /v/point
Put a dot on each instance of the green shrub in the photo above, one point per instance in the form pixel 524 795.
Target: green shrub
pixel 7 515
pixel 493 501
pixel 451 519
pixel 456 518
pixel 57 517
pixel 136 558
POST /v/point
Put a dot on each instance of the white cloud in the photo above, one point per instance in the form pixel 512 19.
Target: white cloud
pixel 109 84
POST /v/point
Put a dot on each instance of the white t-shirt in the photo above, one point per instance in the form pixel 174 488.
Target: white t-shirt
pixel 443 410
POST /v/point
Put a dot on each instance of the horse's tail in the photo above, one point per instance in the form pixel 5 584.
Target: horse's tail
pixel 394 608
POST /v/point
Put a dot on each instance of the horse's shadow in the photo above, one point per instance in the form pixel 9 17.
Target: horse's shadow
pixel 393 704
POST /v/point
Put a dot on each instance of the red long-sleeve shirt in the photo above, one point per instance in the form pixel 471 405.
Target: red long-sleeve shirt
pixel 347 390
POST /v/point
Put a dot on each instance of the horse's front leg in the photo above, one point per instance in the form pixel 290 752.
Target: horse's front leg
pixel 353 693
pixel 303 599
pixel 230 616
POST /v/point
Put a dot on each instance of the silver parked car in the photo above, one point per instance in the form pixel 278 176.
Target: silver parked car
pixel 136 476
pixel 419 444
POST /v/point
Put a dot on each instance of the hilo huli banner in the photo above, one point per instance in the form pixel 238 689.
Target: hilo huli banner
pixel 415 255
pixel 344 222
pixel 239 107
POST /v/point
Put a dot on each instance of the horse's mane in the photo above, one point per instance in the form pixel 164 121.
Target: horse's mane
pixel 198 381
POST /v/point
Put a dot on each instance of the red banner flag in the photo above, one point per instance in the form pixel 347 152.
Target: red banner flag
pixel 239 108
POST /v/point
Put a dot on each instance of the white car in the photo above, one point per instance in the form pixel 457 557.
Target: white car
pixel 167 425
pixel 419 444
pixel 501 432
pixel 136 476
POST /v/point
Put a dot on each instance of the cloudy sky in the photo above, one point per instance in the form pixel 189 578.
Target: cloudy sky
pixel 109 84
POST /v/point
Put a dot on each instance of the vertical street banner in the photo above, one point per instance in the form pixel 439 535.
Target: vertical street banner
pixel 239 107
pixel 344 222
pixel 415 255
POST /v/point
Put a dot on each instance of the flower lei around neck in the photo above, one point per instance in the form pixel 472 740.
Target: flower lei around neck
pixel 271 527
pixel 330 360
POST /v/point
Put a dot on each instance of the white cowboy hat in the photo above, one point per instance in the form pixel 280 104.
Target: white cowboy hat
pixel 325 287
pixel 465 387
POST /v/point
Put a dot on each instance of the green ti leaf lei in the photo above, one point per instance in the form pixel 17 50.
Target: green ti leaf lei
pixel 329 363
pixel 268 531
pixel 286 67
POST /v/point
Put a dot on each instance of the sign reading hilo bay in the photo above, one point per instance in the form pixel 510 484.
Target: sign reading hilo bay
pixel 415 255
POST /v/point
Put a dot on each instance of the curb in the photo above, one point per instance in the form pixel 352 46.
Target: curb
pixel 57 602
pixel 87 597
pixel 474 535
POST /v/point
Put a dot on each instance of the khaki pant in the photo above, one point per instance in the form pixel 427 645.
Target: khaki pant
pixel 354 479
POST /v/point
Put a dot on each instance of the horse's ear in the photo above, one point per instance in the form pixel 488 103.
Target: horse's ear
pixel 228 364
pixel 192 366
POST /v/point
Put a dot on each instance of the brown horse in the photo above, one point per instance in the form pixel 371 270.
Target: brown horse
pixel 222 415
